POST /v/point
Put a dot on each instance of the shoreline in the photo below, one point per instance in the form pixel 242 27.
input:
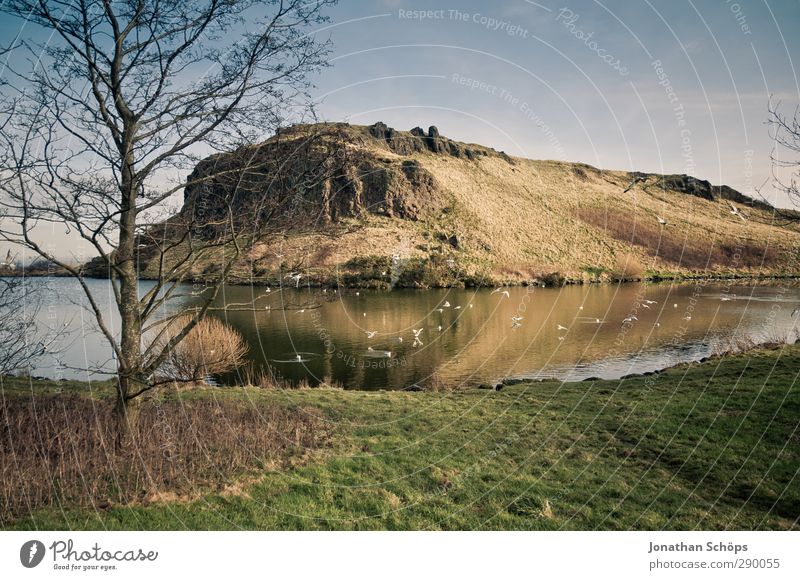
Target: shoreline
pixel 550 281
pixel 497 385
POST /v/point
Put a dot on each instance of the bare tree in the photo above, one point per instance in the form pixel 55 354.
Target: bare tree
pixel 21 343
pixel 100 120
pixel 785 156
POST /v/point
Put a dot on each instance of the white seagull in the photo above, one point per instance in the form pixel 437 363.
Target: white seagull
pixel 516 321
pixel 735 211
pixel 661 220
pixel 371 333
pixel 559 327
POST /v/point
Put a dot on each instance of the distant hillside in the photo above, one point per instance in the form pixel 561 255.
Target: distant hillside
pixel 417 209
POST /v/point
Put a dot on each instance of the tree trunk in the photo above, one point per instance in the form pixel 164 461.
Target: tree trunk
pixel 126 416
pixel 129 365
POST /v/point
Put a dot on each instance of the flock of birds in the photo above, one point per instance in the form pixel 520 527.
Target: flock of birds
pixel 517 321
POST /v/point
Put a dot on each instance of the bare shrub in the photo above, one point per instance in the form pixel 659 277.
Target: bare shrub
pixel 740 344
pixel 437 384
pixel 58 451
pixel 212 347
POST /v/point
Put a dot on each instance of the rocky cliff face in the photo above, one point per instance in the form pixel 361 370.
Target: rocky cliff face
pixel 320 175
pixel 466 211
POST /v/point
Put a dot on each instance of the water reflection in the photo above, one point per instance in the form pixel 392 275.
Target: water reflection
pixel 391 340
pixel 388 340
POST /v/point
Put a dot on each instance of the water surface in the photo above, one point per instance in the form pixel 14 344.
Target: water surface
pixel 465 336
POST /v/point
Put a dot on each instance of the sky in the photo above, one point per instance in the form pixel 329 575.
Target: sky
pixel 668 86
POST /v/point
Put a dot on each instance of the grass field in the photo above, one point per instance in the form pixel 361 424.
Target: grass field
pixel 702 446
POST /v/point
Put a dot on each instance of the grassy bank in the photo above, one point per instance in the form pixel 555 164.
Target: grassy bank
pixel 709 446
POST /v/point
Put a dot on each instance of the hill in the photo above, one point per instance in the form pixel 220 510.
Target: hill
pixel 373 206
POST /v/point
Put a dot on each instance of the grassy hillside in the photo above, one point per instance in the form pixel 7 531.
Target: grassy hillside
pixel 454 213
pixel 708 446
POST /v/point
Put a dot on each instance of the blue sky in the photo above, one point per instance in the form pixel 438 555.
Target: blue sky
pixel 672 86
pixel 575 80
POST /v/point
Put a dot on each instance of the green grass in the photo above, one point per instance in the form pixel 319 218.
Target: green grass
pixel 707 446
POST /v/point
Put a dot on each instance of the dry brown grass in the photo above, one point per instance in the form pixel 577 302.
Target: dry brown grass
pixel 212 347
pixel 676 246
pixel 59 450
pixel 514 219
pixel 437 384
pixel 733 345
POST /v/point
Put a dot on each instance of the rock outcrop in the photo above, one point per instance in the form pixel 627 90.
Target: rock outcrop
pixel 414 208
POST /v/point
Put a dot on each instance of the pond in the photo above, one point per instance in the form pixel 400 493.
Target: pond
pixel 390 340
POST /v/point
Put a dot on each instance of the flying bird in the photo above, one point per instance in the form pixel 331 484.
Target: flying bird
pixel 735 211
pixel 296 277
pixel 559 327
pixel 516 321
pixel 661 220
pixel 371 333
pixel 446 304
pixel 636 179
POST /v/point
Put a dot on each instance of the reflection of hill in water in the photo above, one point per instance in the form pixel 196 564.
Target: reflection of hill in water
pixel 478 344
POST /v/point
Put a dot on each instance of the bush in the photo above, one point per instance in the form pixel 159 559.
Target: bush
pixel 212 347
pixel 59 451
pixel 433 272
pixel 368 272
